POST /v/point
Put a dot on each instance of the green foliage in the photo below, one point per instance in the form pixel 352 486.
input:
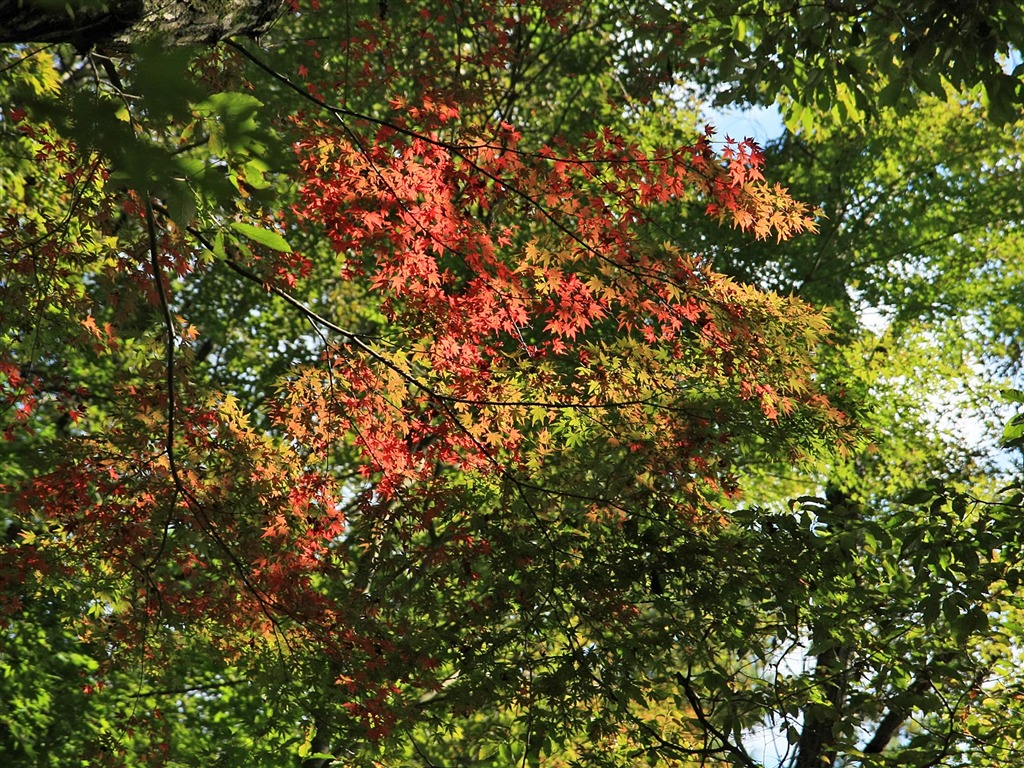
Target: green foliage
pixel 841 62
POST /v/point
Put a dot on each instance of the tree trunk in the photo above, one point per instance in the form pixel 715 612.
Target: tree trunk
pixel 816 747
pixel 121 23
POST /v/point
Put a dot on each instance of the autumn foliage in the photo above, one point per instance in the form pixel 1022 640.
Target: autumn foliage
pixel 510 391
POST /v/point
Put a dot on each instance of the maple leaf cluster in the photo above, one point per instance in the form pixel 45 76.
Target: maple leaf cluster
pixel 538 369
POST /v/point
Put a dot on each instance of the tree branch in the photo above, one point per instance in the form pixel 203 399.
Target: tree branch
pixel 735 750
pixel 122 23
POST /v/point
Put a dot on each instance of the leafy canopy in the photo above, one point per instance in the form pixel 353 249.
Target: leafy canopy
pixel 382 396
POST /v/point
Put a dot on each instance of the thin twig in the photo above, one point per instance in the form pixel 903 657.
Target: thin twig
pixel 169 345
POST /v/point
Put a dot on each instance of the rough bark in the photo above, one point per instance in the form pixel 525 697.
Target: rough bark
pixel 123 23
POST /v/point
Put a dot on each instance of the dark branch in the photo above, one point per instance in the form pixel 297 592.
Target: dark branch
pixel 735 750
pixel 124 23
